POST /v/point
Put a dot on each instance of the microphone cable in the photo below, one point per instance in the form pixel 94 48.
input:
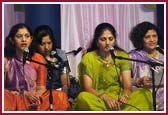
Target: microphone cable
pixel 120 85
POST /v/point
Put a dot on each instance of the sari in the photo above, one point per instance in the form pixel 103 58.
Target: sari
pixel 28 77
pixel 106 79
pixel 140 69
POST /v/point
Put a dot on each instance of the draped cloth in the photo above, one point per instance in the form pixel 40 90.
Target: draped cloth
pixel 18 79
pixel 105 79
pixel 140 70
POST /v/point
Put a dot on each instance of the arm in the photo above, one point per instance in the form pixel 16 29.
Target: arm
pixel 65 81
pixel 112 103
pixel 127 84
pixel 87 83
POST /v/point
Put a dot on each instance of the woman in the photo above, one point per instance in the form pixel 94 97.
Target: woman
pixel 45 45
pixel 106 82
pixel 25 81
pixel 145 38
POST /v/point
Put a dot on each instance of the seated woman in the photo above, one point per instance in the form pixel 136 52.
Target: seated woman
pixel 145 37
pixel 57 78
pixel 25 81
pixel 105 81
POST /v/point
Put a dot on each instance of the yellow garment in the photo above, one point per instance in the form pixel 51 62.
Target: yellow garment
pixel 105 80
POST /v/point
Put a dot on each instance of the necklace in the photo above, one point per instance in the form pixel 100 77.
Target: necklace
pixel 106 62
pixel 154 55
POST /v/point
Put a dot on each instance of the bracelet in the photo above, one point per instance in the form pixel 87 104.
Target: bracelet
pixel 126 96
pixel 102 96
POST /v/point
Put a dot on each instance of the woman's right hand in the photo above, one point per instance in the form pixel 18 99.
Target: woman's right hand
pixel 33 97
pixel 111 102
pixel 146 81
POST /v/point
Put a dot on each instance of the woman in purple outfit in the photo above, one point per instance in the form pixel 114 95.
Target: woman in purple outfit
pixel 145 38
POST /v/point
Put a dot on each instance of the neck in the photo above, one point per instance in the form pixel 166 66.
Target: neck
pixel 104 55
pixel 19 54
pixel 152 53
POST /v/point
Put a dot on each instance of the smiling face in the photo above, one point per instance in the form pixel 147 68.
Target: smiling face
pixel 105 41
pixel 22 39
pixel 150 40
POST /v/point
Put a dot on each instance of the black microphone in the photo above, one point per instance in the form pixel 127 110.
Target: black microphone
pixel 25 55
pixel 77 51
pixel 159 49
pixel 54 54
pixel 111 50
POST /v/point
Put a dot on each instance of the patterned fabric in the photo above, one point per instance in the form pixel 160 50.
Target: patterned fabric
pixel 141 69
pixel 105 79
pixel 34 75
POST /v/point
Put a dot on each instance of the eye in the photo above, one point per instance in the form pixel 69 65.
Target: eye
pixel 102 38
pixel 27 35
pixel 111 38
pixel 19 36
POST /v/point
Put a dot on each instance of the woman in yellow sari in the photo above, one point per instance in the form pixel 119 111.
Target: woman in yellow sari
pixel 106 82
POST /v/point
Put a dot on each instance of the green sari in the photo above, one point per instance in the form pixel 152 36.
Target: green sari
pixel 105 79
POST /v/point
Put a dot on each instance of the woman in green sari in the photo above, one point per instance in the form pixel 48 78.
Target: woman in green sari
pixel 105 81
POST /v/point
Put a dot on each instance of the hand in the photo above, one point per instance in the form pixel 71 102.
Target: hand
pixel 123 99
pixel 33 97
pixel 146 81
pixel 65 88
pixel 111 102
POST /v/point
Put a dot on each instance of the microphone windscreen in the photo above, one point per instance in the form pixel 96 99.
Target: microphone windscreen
pixel 78 50
pixel 53 53
pixel 26 50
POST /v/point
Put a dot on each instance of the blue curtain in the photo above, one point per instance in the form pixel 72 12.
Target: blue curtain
pixel 160 22
pixel 45 14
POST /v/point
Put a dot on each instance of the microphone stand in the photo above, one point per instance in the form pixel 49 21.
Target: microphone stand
pixel 152 64
pixel 50 79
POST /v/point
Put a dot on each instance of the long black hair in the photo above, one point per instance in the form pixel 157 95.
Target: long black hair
pixel 98 32
pixel 42 31
pixel 10 46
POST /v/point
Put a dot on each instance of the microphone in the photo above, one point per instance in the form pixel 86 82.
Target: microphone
pixel 77 51
pixel 159 49
pixel 25 55
pixel 111 50
pixel 54 54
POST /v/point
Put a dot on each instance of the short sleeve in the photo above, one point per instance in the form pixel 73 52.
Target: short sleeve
pixel 125 64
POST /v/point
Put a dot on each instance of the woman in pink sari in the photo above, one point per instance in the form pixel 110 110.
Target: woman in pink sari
pixel 25 81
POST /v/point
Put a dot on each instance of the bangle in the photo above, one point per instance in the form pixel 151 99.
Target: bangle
pixel 126 96
pixel 100 95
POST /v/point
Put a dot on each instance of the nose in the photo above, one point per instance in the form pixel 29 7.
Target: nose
pixel 46 46
pixel 23 38
pixel 107 41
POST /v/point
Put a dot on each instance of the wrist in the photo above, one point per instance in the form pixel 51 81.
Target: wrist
pixel 126 96
pixel 102 96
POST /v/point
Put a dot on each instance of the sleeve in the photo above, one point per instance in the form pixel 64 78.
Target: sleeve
pixel 62 54
pixel 125 64
pixel 133 65
pixel 85 67
pixel 41 70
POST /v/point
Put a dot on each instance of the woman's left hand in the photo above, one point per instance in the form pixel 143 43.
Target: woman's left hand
pixel 65 89
pixel 123 99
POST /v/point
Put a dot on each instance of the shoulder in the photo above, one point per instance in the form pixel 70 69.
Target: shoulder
pixel 122 53
pixel 89 54
pixel 38 57
pixel 60 51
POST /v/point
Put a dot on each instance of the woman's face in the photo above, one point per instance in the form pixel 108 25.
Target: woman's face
pixel 105 41
pixel 150 40
pixel 46 45
pixel 23 39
